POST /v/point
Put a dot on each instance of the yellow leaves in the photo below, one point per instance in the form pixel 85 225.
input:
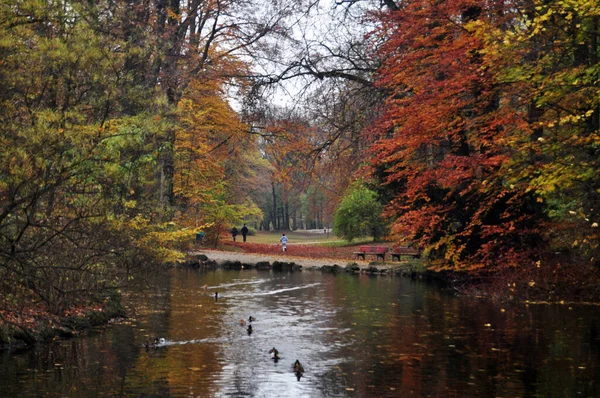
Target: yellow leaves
pixel 130 204
pixel 567 11
pixel 172 14
pixel 572 119
pixel 209 128
pixel 204 226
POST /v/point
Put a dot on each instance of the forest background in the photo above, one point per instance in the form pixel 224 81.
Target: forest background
pixel 469 129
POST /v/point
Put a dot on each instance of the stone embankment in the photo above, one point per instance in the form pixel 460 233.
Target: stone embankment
pixel 212 259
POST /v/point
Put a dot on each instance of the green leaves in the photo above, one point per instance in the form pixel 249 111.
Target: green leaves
pixel 359 214
pixel 77 155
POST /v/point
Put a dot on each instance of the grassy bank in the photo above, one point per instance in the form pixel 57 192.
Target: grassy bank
pixel 302 243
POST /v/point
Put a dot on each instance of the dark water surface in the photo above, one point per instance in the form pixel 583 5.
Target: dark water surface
pixel 356 336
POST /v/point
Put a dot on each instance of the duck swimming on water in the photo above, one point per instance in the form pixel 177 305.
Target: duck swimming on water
pixel 274 354
pixel 298 368
pixel 155 343
pixel 249 329
pixel 251 318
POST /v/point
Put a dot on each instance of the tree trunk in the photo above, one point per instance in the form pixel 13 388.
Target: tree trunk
pixel 275 226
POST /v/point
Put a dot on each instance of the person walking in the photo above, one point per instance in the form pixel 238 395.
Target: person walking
pixel 244 232
pixel 234 233
pixel 283 241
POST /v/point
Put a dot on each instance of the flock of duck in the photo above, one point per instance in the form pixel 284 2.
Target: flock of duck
pixel 297 366
pixel 273 352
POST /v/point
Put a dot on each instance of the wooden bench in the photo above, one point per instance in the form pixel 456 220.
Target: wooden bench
pixel 378 251
pixel 398 252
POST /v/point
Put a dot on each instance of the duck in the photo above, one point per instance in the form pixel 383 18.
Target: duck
pixel 242 322
pixel 274 353
pixel 251 318
pixel 250 329
pixel 298 368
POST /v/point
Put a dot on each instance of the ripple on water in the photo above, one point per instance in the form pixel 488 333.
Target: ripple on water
pixel 355 336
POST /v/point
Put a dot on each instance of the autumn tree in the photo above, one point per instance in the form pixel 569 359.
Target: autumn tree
pixel 75 166
pixel 328 67
pixel 215 160
pixel 547 64
pixel 285 144
pixel 89 133
pixel 442 139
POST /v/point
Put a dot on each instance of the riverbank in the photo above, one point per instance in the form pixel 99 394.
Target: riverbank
pixel 42 326
pixel 207 258
pixel 520 285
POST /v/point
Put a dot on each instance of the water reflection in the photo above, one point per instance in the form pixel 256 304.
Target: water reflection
pixel 354 336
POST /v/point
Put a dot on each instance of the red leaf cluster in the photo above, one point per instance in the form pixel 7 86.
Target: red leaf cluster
pixel 441 142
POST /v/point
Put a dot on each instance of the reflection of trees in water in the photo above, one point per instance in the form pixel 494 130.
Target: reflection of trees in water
pixel 243 377
pixel 415 339
pixel 375 336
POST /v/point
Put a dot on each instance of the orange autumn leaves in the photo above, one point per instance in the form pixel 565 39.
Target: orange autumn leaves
pixel 442 141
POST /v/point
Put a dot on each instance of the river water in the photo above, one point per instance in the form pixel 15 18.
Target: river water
pixel 355 335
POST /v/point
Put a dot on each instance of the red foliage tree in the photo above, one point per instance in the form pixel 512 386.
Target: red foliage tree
pixel 441 142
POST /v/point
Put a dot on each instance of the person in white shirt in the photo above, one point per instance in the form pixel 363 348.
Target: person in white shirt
pixel 283 241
